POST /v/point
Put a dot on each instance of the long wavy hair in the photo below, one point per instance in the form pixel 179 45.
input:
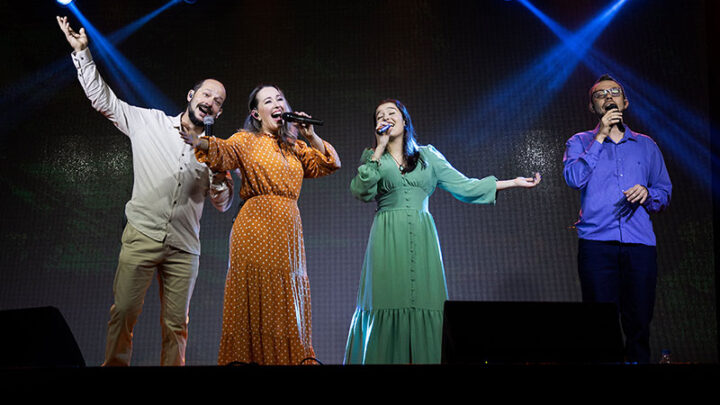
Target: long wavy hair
pixel 411 148
pixel 287 134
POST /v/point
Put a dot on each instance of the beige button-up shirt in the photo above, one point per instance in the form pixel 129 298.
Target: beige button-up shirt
pixel 169 184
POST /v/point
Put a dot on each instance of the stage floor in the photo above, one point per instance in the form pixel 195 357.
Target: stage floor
pixel 348 383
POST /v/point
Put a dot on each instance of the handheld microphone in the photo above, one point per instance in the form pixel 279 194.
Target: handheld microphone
pixel 384 129
pixel 208 120
pixel 292 117
pixel 619 125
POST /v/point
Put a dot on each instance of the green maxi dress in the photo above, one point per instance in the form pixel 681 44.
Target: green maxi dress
pixel 399 314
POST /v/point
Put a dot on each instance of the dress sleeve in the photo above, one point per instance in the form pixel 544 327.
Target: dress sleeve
pixel 364 185
pixel 222 154
pixel 474 191
pixel 314 163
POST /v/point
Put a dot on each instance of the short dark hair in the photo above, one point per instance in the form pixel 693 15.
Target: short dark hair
pixel 199 84
pixel 604 78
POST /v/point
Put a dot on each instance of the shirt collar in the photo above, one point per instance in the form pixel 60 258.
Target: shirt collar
pixel 176 121
pixel 627 135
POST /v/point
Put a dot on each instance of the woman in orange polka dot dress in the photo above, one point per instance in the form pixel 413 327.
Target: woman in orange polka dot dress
pixel 266 312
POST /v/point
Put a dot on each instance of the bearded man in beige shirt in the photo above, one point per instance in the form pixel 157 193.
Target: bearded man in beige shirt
pixel 169 190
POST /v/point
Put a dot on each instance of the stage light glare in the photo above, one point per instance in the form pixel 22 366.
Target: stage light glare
pixel 64 2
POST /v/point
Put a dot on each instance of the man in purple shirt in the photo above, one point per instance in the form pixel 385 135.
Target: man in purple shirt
pixel 622 179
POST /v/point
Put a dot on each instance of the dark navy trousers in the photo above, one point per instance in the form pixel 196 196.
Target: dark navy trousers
pixel 625 274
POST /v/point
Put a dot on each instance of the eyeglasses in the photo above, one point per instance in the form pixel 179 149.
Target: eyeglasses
pixel 614 92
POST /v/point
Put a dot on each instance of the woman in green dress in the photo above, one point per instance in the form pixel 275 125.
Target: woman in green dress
pixel 398 319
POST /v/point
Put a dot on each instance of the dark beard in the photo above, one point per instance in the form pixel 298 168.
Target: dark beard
pixel 193 118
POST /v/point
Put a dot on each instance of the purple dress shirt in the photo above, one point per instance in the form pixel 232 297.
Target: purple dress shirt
pixel 602 171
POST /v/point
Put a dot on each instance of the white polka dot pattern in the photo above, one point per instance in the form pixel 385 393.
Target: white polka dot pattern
pixel 266 312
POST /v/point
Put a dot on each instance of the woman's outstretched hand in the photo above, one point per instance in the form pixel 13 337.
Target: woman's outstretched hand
pixel 528 182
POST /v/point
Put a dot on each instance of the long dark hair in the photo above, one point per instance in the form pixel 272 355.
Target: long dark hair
pixel 287 133
pixel 411 148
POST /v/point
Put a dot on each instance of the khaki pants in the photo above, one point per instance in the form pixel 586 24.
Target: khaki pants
pixel 177 270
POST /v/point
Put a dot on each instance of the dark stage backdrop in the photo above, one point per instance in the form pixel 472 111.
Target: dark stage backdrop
pixel 66 172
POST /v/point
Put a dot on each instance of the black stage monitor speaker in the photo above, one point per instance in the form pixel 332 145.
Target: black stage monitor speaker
pixel 531 333
pixel 37 337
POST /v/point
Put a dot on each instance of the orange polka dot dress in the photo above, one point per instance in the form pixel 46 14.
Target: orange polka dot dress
pixel 266 311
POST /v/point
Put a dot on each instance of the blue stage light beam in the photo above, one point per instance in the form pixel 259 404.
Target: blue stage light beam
pixel 38 87
pixel 546 76
pixel 685 134
pixel 556 28
pixel 24 97
pixel 552 70
pixel 134 86
pixel 576 44
pixel 122 34
pixel 600 63
pixel 102 50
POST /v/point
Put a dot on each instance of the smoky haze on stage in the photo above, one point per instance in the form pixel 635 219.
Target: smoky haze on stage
pixel 496 86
